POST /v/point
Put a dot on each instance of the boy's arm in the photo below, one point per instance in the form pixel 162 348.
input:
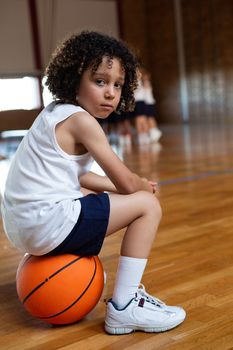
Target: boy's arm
pixel 87 131
pixel 97 183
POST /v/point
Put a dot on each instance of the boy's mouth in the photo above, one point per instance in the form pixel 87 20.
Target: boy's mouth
pixel 107 106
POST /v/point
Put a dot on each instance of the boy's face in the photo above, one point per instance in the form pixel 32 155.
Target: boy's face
pixel 100 91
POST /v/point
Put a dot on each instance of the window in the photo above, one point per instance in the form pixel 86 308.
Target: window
pixel 19 93
pixel 46 94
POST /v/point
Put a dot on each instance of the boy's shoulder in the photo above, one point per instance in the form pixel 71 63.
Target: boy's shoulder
pixel 72 114
pixel 66 108
pixel 82 119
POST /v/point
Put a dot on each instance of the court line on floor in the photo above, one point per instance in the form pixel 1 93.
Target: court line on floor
pixel 195 177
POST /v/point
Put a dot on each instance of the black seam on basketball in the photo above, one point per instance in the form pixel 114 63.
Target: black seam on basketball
pixel 48 278
pixel 68 307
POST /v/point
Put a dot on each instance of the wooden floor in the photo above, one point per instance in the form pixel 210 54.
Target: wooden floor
pixel 191 263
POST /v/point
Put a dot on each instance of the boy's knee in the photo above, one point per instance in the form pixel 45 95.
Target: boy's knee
pixel 158 208
pixel 151 204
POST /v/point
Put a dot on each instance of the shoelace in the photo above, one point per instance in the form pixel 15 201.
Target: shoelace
pixel 149 298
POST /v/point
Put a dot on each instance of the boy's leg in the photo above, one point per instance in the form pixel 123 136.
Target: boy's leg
pixel 141 213
pixel 142 129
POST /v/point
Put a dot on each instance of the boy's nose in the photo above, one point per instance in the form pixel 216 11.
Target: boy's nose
pixel 109 93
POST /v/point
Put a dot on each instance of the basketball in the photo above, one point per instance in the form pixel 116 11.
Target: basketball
pixel 59 289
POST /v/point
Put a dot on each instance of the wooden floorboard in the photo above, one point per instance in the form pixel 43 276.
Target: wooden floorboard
pixel 191 263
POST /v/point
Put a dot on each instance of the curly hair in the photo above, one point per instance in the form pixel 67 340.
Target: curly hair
pixel 85 51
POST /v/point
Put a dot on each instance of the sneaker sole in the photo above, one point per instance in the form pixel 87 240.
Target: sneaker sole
pixel 127 330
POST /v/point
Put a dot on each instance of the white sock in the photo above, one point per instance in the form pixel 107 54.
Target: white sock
pixel 143 139
pixel 128 278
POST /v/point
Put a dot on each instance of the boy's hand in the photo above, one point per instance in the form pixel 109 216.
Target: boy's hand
pixel 153 185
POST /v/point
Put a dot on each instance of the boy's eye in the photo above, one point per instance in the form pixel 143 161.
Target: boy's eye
pixel 100 82
pixel 118 85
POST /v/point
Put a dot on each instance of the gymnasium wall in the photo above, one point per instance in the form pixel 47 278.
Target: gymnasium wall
pixel 56 19
pixel 187 46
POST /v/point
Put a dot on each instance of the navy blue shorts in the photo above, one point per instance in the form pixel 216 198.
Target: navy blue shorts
pixel 87 235
pixel 150 110
pixel 140 108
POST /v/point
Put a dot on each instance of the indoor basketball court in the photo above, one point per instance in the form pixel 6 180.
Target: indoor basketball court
pixel 187 46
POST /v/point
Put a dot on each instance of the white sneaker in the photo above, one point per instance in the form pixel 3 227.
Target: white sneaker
pixel 155 134
pixel 142 313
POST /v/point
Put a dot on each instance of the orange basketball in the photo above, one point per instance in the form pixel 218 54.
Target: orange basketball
pixel 59 289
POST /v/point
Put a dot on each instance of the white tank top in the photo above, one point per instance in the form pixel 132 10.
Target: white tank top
pixel 139 92
pixel 40 205
pixel 148 94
